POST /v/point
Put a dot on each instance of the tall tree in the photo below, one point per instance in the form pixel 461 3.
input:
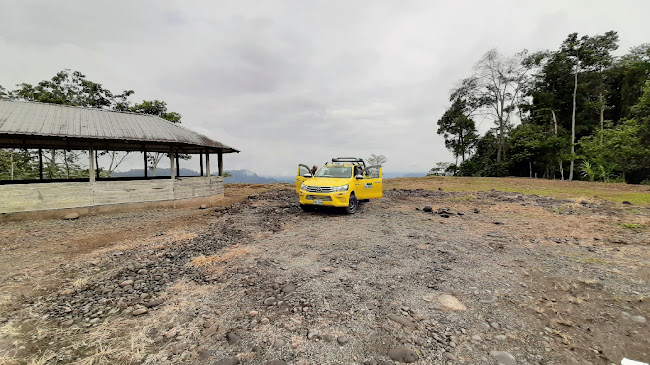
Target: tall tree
pixel 495 90
pixel 586 54
pixel 376 159
pixel 458 130
pixel 158 108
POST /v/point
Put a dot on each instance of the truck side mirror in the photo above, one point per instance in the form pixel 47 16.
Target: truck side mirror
pixel 306 175
pixel 359 177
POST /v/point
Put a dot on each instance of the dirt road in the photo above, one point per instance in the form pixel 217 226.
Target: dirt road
pixel 484 277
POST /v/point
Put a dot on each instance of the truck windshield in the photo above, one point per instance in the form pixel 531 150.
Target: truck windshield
pixel 334 171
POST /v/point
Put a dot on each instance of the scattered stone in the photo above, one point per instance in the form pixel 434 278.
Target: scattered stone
pixel 66 292
pixel 637 319
pixel 126 282
pixel 203 206
pixel 67 323
pixel 328 338
pixel 328 269
pixel 402 354
pixel 204 354
pixel 270 301
pixel 257 348
pixel 449 356
pixel 342 340
pixel 428 298
pixel 503 357
pixel 228 361
pixel 477 338
pixel 275 362
pixel 312 333
pixel 71 216
pixel 500 337
pixel 279 343
pixel 139 311
pixel 233 338
pixel 253 313
pixel 476 211
pixel 265 320
pixel 488 300
pixel 154 303
pixel 288 288
pixel 427 209
pixel 402 320
pixel 494 325
pixel 451 302
pixel 626 202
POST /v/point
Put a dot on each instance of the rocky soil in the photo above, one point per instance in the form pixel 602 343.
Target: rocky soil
pixel 423 277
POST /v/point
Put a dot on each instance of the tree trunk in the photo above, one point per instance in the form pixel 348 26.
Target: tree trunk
pixel 530 168
pixel 52 163
pixel 65 163
pixel 554 120
pixel 602 117
pixel 500 139
pixel 561 170
pixel 573 124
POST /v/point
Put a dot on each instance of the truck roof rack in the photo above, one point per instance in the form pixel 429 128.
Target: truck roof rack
pixel 347 159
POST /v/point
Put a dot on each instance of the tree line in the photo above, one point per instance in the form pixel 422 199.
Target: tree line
pixel 577 112
pixel 73 88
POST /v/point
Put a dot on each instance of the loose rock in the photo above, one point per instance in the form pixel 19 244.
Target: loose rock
pixel 503 357
pixel 402 354
pixel 451 302
pixel 228 361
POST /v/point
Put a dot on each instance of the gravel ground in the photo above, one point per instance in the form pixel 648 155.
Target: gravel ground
pixel 424 277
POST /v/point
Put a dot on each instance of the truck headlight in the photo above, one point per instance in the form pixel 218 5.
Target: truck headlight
pixel 341 188
pixel 303 186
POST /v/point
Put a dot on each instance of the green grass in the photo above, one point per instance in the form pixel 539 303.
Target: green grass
pixel 615 192
pixel 632 225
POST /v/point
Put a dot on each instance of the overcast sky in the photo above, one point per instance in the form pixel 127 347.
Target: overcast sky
pixel 290 82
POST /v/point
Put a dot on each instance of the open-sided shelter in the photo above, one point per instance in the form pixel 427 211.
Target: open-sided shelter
pixel 40 126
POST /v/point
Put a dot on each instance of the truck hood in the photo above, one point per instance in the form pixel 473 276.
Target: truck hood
pixel 327 181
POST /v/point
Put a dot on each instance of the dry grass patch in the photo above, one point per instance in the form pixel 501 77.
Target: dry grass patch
pixel 228 254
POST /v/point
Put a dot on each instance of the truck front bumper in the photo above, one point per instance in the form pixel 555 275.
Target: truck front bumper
pixel 340 199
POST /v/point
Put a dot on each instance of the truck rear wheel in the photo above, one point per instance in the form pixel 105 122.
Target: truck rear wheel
pixel 353 204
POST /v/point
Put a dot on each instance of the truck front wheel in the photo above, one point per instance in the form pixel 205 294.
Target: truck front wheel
pixel 353 204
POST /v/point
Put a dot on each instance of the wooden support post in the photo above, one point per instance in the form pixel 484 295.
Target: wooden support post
pixel 201 163
pixel 178 166
pixel 220 159
pixel 96 165
pixel 207 163
pixel 144 152
pixel 171 165
pixel 40 164
pixel 91 165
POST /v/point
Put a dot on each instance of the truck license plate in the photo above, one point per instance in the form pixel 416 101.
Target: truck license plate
pixel 318 202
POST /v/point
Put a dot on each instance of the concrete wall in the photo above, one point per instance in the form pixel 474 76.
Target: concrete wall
pixel 67 195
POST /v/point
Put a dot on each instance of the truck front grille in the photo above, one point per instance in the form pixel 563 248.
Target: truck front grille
pixel 325 198
pixel 320 189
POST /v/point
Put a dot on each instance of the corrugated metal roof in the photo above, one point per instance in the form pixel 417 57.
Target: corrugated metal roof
pixel 52 120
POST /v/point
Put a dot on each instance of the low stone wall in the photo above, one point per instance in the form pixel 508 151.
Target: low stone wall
pixel 67 195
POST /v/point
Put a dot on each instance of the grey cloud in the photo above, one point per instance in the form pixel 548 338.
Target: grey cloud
pixel 295 81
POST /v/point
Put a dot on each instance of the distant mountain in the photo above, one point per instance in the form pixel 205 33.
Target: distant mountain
pixel 247 177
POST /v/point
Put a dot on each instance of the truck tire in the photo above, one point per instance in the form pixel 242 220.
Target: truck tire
pixel 353 204
pixel 307 207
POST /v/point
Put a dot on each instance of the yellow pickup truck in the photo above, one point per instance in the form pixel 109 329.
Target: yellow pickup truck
pixel 344 182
